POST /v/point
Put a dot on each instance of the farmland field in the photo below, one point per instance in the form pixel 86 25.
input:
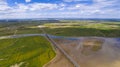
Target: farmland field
pixel 33 51
pixel 84 28
pixel 64 28
pixel 20 28
pixel 36 51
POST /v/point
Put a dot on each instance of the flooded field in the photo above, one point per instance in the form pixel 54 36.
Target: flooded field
pixel 91 51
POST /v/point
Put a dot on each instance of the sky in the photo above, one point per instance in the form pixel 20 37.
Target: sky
pixel 21 9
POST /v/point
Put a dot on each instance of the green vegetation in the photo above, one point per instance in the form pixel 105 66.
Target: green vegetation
pixel 102 29
pixel 63 28
pixel 21 29
pixel 34 51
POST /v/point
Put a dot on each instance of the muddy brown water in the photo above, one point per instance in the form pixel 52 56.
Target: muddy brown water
pixel 91 51
pixel 86 51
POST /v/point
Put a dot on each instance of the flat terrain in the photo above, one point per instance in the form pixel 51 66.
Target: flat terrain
pixel 84 28
pixel 59 61
pixel 63 28
pixel 23 27
pixel 92 51
pixel 89 43
pixel 33 51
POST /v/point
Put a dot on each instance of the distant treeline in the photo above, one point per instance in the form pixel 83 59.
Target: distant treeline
pixel 57 20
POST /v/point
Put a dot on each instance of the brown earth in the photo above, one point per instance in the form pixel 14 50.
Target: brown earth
pixel 59 61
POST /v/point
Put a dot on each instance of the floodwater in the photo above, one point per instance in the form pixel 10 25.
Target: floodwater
pixel 91 51
pixel 87 51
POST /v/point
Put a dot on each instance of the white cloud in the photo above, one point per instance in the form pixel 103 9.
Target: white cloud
pixel 42 6
pixel 23 7
pixel 99 8
pixel 3 5
pixel 74 0
pixel 30 7
pixel 28 0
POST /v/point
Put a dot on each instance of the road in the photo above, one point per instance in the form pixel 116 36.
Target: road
pixel 21 35
pixel 54 44
pixel 62 51
pixel 115 41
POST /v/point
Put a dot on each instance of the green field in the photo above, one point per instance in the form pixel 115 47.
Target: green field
pixel 34 51
pixel 64 28
pixel 19 30
pixel 102 29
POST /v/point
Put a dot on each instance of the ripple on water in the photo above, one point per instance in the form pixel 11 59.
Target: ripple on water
pixel 117 43
pixel 72 39
pixel 118 39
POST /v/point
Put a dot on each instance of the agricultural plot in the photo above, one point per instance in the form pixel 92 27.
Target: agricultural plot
pixel 33 51
pixel 65 28
pixel 84 41
pixel 79 28
pixel 19 30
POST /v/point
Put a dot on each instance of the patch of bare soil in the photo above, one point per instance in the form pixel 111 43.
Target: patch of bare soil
pixel 59 61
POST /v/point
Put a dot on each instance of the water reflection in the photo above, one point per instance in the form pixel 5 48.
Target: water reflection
pixel 92 51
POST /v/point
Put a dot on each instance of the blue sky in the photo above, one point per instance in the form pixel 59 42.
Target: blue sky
pixel 12 9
